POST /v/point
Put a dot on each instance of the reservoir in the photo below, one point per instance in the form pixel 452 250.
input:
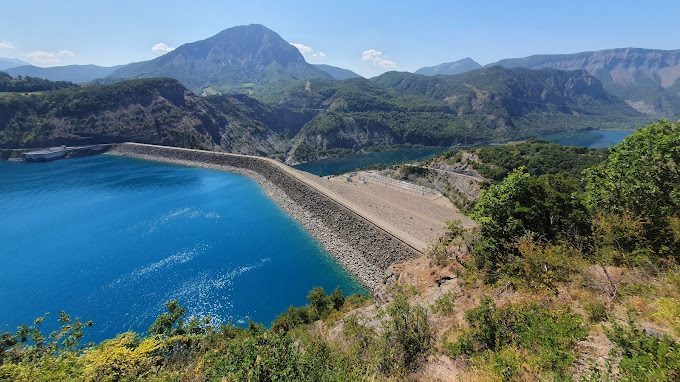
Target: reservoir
pixel 110 239
pixel 588 138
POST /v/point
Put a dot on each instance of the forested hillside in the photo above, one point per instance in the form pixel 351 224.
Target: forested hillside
pixel 159 111
pixel 9 84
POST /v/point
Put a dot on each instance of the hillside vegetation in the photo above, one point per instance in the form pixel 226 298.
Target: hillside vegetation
pixel 482 106
pixel 310 119
pixel 158 111
pixel 538 158
pixel 23 84
pixel 565 278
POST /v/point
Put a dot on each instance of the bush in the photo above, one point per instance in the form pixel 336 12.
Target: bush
pixel 170 322
pixel 596 311
pixel 543 264
pixel 645 357
pixel 444 305
pixel 544 207
pixel 406 337
pixel 549 335
pixel 291 318
pixel 320 306
pixel 641 178
pixel 320 302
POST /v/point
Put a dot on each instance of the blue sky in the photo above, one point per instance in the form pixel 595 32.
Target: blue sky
pixel 388 35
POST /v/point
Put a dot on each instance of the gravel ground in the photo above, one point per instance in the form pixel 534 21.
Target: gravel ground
pixel 419 216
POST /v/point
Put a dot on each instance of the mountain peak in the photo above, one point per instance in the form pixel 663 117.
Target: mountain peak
pixel 231 60
pixel 450 68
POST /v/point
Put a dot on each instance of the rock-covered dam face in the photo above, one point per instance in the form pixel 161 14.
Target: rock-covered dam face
pixel 362 247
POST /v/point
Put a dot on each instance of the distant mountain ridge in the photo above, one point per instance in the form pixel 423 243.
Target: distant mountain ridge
pixel 337 73
pixel 450 68
pixel 647 79
pixel 236 59
pixel 493 104
pixel 8 63
pixel 72 73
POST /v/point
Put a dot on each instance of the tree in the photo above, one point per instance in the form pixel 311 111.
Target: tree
pixel 641 178
pixel 338 299
pixel 320 302
pixel 170 322
pixel 544 207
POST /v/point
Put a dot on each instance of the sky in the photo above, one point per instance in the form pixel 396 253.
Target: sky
pixel 366 36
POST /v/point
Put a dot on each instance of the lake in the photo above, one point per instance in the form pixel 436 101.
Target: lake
pixel 588 138
pixel 353 162
pixel 110 239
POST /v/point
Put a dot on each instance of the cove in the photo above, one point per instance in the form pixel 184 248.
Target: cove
pixel 347 163
pixel 588 138
pixel 110 239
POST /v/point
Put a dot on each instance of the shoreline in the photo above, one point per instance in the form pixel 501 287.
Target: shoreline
pixel 348 250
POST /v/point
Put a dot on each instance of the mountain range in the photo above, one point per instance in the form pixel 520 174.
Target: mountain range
pixel 9 63
pixel 277 104
pixel 72 73
pixel 647 79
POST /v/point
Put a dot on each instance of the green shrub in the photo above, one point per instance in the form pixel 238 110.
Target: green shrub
pixel 320 302
pixel 293 317
pixel 645 357
pixel 550 335
pixel 543 207
pixel 596 311
pixel 640 178
pixel 337 299
pixel 444 305
pixel 170 322
pixel 543 264
pixel 320 306
pixel 406 337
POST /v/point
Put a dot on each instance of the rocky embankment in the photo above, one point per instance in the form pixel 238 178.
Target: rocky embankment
pixel 361 247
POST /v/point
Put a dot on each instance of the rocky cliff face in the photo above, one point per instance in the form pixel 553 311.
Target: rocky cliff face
pixel 646 79
pixel 159 111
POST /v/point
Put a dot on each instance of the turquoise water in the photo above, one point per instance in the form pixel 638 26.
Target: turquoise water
pixel 111 239
pixel 588 138
pixel 347 163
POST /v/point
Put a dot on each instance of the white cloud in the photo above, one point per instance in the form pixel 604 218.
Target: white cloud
pixel 65 53
pixel 377 58
pixel 162 48
pixel 304 49
pixel 308 51
pixel 6 45
pixel 41 57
